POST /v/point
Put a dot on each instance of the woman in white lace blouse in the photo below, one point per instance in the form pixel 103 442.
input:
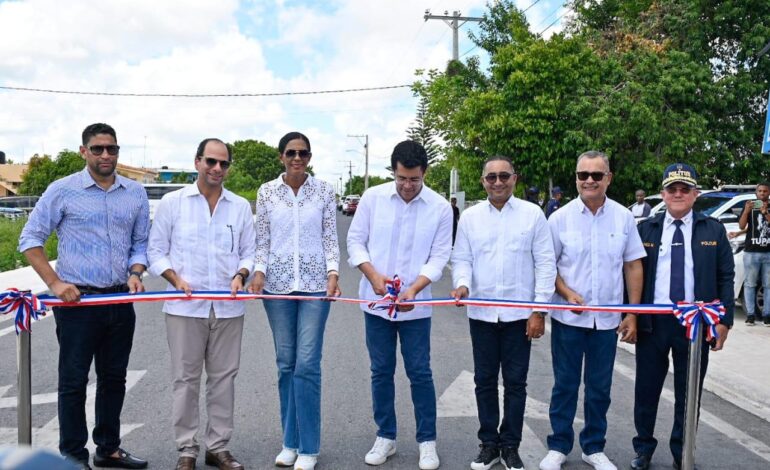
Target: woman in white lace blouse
pixel 297 254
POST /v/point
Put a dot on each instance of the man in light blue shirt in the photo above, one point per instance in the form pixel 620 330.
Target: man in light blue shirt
pixel 102 222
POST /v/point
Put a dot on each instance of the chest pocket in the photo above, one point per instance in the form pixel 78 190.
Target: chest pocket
pixel 519 240
pixel 573 244
pixel 615 243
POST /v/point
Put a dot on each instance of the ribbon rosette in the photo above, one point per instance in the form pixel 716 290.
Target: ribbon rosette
pixel 26 306
pixel 388 301
pixel 690 314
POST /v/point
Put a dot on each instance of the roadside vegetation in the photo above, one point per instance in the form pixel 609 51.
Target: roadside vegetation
pixel 10 258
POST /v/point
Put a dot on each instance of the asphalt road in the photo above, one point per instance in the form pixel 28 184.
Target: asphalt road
pixel 348 429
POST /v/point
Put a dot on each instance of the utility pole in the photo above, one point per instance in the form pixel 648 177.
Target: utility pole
pixel 454 21
pixel 366 158
pixel 350 176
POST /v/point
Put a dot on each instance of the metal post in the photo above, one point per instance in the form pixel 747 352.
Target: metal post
pixel 692 400
pixel 455 39
pixel 24 382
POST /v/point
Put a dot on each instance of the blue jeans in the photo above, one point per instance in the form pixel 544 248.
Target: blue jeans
pixel 381 337
pixel 500 345
pixel 298 334
pixel 753 264
pixel 105 335
pixel 569 346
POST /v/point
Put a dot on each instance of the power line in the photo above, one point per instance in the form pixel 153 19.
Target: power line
pixel 201 95
pixel 554 22
pixel 530 6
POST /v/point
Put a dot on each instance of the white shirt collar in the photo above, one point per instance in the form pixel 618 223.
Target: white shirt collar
pixel 687 219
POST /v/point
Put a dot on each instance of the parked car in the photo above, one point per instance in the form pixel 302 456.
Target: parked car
pixel 156 191
pixel 11 213
pixel 726 206
pixel 350 204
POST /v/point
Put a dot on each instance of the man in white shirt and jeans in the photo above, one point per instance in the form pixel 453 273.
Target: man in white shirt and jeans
pixel 401 228
pixel 596 244
pixel 203 238
pixel 503 250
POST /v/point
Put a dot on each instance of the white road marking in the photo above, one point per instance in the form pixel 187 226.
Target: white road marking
pixel 48 435
pixel 459 401
pixel 719 425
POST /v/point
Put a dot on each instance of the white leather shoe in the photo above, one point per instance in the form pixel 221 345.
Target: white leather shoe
pixel 428 456
pixel 381 450
pixel 286 458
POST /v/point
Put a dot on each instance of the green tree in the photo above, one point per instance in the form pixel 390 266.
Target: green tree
pixel 254 163
pixel 423 133
pixel 43 171
pixel 437 176
pixel 356 185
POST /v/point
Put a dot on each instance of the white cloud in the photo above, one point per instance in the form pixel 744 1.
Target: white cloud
pixel 216 47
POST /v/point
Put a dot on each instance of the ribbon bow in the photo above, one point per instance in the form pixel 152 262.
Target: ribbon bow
pixel 690 314
pixel 388 301
pixel 27 307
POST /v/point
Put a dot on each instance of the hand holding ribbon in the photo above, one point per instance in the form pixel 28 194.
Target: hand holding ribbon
pixel 388 301
pixel 26 306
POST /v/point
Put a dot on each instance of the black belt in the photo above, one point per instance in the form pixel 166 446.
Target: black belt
pixel 103 290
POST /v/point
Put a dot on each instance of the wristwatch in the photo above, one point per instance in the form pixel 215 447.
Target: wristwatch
pixel 135 273
pixel 243 276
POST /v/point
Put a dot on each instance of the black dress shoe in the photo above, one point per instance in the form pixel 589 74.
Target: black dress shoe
pixel 123 460
pixel 641 462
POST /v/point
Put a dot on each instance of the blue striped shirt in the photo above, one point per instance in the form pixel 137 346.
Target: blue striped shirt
pixel 101 232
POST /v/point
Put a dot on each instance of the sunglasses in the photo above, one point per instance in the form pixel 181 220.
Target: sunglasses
pixel 492 177
pixel 595 175
pixel 99 149
pixel 293 153
pixel 212 162
pixel 682 189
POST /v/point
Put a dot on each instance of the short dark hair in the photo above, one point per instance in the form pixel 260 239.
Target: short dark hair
pixel 498 158
pixel 765 184
pixel 294 135
pixel 409 154
pixel 98 128
pixel 204 142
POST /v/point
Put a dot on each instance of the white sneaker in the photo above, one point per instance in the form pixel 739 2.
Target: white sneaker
pixel 381 450
pixel 305 462
pixel 599 461
pixel 286 458
pixel 553 460
pixel 428 456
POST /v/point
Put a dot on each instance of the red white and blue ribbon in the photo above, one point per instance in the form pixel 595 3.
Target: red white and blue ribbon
pixel 389 301
pixel 691 314
pixel 24 305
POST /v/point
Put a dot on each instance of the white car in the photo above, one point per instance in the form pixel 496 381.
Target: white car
pixel 727 206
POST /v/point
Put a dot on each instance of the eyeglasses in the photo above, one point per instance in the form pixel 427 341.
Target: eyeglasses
pixel 293 153
pixel 595 175
pixel 99 149
pixel 492 177
pixel 682 189
pixel 211 162
pixel 401 180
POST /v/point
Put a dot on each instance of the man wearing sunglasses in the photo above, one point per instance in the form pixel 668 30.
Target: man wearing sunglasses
pixel 101 219
pixel 596 246
pixel 204 333
pixel 503 251
pixel 401 228
pixel 688 259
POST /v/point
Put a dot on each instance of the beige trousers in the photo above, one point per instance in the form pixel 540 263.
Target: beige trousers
pixel 195 342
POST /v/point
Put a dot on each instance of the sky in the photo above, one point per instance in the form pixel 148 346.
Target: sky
pixel 226 47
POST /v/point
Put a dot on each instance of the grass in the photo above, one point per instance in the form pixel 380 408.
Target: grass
pixel 10 258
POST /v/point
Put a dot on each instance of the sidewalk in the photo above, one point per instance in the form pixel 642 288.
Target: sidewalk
pixel 737 374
